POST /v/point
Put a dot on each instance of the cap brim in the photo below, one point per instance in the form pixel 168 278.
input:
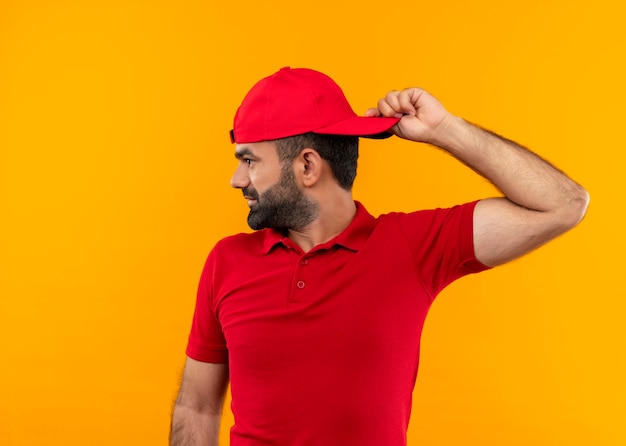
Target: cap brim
pixel 367 127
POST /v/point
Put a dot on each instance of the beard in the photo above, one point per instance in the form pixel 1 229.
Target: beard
pixel 282 206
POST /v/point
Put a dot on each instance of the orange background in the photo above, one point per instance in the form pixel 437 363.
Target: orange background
pixel 114 171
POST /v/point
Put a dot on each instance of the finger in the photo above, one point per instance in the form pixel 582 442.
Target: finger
pixel 372 112
pixel 406 102
pixel 386 108
pixel 392 98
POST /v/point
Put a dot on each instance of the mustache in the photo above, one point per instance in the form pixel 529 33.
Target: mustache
pixel 249 192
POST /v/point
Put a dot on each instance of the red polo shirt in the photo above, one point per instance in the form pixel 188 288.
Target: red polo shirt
pixel 323 346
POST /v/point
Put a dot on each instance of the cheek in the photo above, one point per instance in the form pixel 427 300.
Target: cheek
pixel 262 180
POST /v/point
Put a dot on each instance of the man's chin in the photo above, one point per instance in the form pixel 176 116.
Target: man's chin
pixel 254 222
pixel 257 222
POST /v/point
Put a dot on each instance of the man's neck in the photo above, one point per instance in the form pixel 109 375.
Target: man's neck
pixel 335 214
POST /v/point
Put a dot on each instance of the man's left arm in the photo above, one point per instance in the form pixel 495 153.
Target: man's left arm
pixel 540 202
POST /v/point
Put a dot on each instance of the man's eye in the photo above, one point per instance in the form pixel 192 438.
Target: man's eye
pixel 248 161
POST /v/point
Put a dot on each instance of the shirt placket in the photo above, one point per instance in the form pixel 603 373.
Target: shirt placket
pixel 303 283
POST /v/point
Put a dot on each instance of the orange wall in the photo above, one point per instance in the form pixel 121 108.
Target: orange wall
pixel 114 170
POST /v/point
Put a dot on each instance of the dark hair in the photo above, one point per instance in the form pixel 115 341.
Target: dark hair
pixel 341 153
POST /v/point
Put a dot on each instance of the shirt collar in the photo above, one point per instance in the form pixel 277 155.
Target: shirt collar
pixel 353 237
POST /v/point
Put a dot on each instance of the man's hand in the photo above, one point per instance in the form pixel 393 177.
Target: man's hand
pixel 423 116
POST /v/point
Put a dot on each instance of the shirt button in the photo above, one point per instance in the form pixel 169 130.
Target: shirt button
pixel 305 261
pixel 300 284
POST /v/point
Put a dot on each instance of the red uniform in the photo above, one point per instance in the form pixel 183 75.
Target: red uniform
pixel 323 346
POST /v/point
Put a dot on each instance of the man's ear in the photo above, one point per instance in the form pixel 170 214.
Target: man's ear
pixel 309 167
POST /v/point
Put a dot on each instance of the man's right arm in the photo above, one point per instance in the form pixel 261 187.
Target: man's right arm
pixel 198 408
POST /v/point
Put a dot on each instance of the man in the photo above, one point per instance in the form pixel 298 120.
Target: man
pixel 316 316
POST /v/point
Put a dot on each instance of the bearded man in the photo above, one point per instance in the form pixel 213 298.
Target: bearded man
pixel 315 318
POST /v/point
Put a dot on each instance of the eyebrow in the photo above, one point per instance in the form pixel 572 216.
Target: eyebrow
pixel 244 151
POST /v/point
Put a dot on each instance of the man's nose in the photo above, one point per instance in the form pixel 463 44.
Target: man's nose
pixel 240 178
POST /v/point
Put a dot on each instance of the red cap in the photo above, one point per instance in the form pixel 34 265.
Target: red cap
pixel 295 101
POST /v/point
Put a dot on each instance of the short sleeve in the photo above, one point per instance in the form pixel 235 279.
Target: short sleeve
pixel 442 243
pixel 206 339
